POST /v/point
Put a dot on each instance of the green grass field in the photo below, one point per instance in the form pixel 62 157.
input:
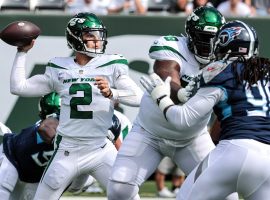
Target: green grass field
pixel 148 189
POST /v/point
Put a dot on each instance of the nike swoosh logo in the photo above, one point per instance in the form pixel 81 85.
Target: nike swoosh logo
pixel 103 146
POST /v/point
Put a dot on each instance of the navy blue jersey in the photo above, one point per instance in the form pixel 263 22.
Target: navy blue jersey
pixel 28 153
pixel 245 113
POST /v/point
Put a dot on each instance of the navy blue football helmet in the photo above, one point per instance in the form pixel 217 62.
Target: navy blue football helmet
pixel 235 39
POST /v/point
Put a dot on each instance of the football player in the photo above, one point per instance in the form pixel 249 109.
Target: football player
pixel 27 154
pixel 237 86
pixel 87 83
pixel 152 136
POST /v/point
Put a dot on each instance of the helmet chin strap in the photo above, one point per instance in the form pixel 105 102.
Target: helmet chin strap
pixel 90 54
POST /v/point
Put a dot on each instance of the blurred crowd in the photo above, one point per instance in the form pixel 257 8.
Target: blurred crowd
pixel 229 8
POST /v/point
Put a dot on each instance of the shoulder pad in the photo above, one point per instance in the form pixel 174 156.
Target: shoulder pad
pixel 60 62
pixel 110 59
pixel 169 47
pixel 212 70
pixel 166 40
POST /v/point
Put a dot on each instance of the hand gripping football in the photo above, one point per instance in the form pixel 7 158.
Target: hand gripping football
pixel 20 33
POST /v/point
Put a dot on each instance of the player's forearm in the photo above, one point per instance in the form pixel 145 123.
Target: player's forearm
pixel 192 112
pixel 130 97
pixel 127 91
pixel 19 85
pixel 18 72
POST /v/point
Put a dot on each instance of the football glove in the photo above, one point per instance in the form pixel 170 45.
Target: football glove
pixel 184 94
pixel 159 90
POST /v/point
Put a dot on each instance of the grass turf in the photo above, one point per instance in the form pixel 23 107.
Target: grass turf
pixel 148 189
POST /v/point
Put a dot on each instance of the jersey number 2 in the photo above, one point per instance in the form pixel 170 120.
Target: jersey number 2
pixel 76 101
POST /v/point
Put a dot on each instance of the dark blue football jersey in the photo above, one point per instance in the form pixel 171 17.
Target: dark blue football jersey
pixel 245 112
pixel 28 153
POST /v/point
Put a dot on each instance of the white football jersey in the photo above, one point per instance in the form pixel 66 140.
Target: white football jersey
pixel 85 113
pixel 150 116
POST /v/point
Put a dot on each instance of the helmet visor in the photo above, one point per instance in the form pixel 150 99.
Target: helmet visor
pixel 203 44
pixel 93 35
pixel 94 41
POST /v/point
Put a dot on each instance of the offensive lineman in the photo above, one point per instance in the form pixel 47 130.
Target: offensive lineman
pixel 27 154
pixel 237 86
pixel 152 137
pixel 87 84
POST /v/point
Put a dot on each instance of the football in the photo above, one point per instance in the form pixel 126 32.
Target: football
pixel 20 33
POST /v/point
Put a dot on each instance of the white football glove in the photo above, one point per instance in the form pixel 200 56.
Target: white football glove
pixel 158 89
pixel 184 94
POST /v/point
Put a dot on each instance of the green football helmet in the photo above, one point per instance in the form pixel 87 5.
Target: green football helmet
pixel 49 105
pixel 201 28
pixel 91 24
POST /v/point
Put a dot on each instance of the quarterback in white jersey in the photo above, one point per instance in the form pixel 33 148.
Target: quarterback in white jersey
pixel 88 84
pixel 152 137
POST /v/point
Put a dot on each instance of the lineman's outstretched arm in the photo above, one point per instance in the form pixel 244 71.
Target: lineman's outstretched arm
pixel 190 113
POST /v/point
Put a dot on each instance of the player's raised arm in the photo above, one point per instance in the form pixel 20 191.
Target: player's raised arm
pixel 22 34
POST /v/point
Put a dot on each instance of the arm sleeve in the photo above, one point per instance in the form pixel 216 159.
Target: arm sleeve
pixel 193 111
pixel 34 86
pixel 127 91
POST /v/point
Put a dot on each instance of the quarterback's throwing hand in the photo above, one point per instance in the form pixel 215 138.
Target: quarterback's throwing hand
pixel 159 90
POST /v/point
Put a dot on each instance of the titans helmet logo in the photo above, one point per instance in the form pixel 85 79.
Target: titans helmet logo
pixel 228 34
